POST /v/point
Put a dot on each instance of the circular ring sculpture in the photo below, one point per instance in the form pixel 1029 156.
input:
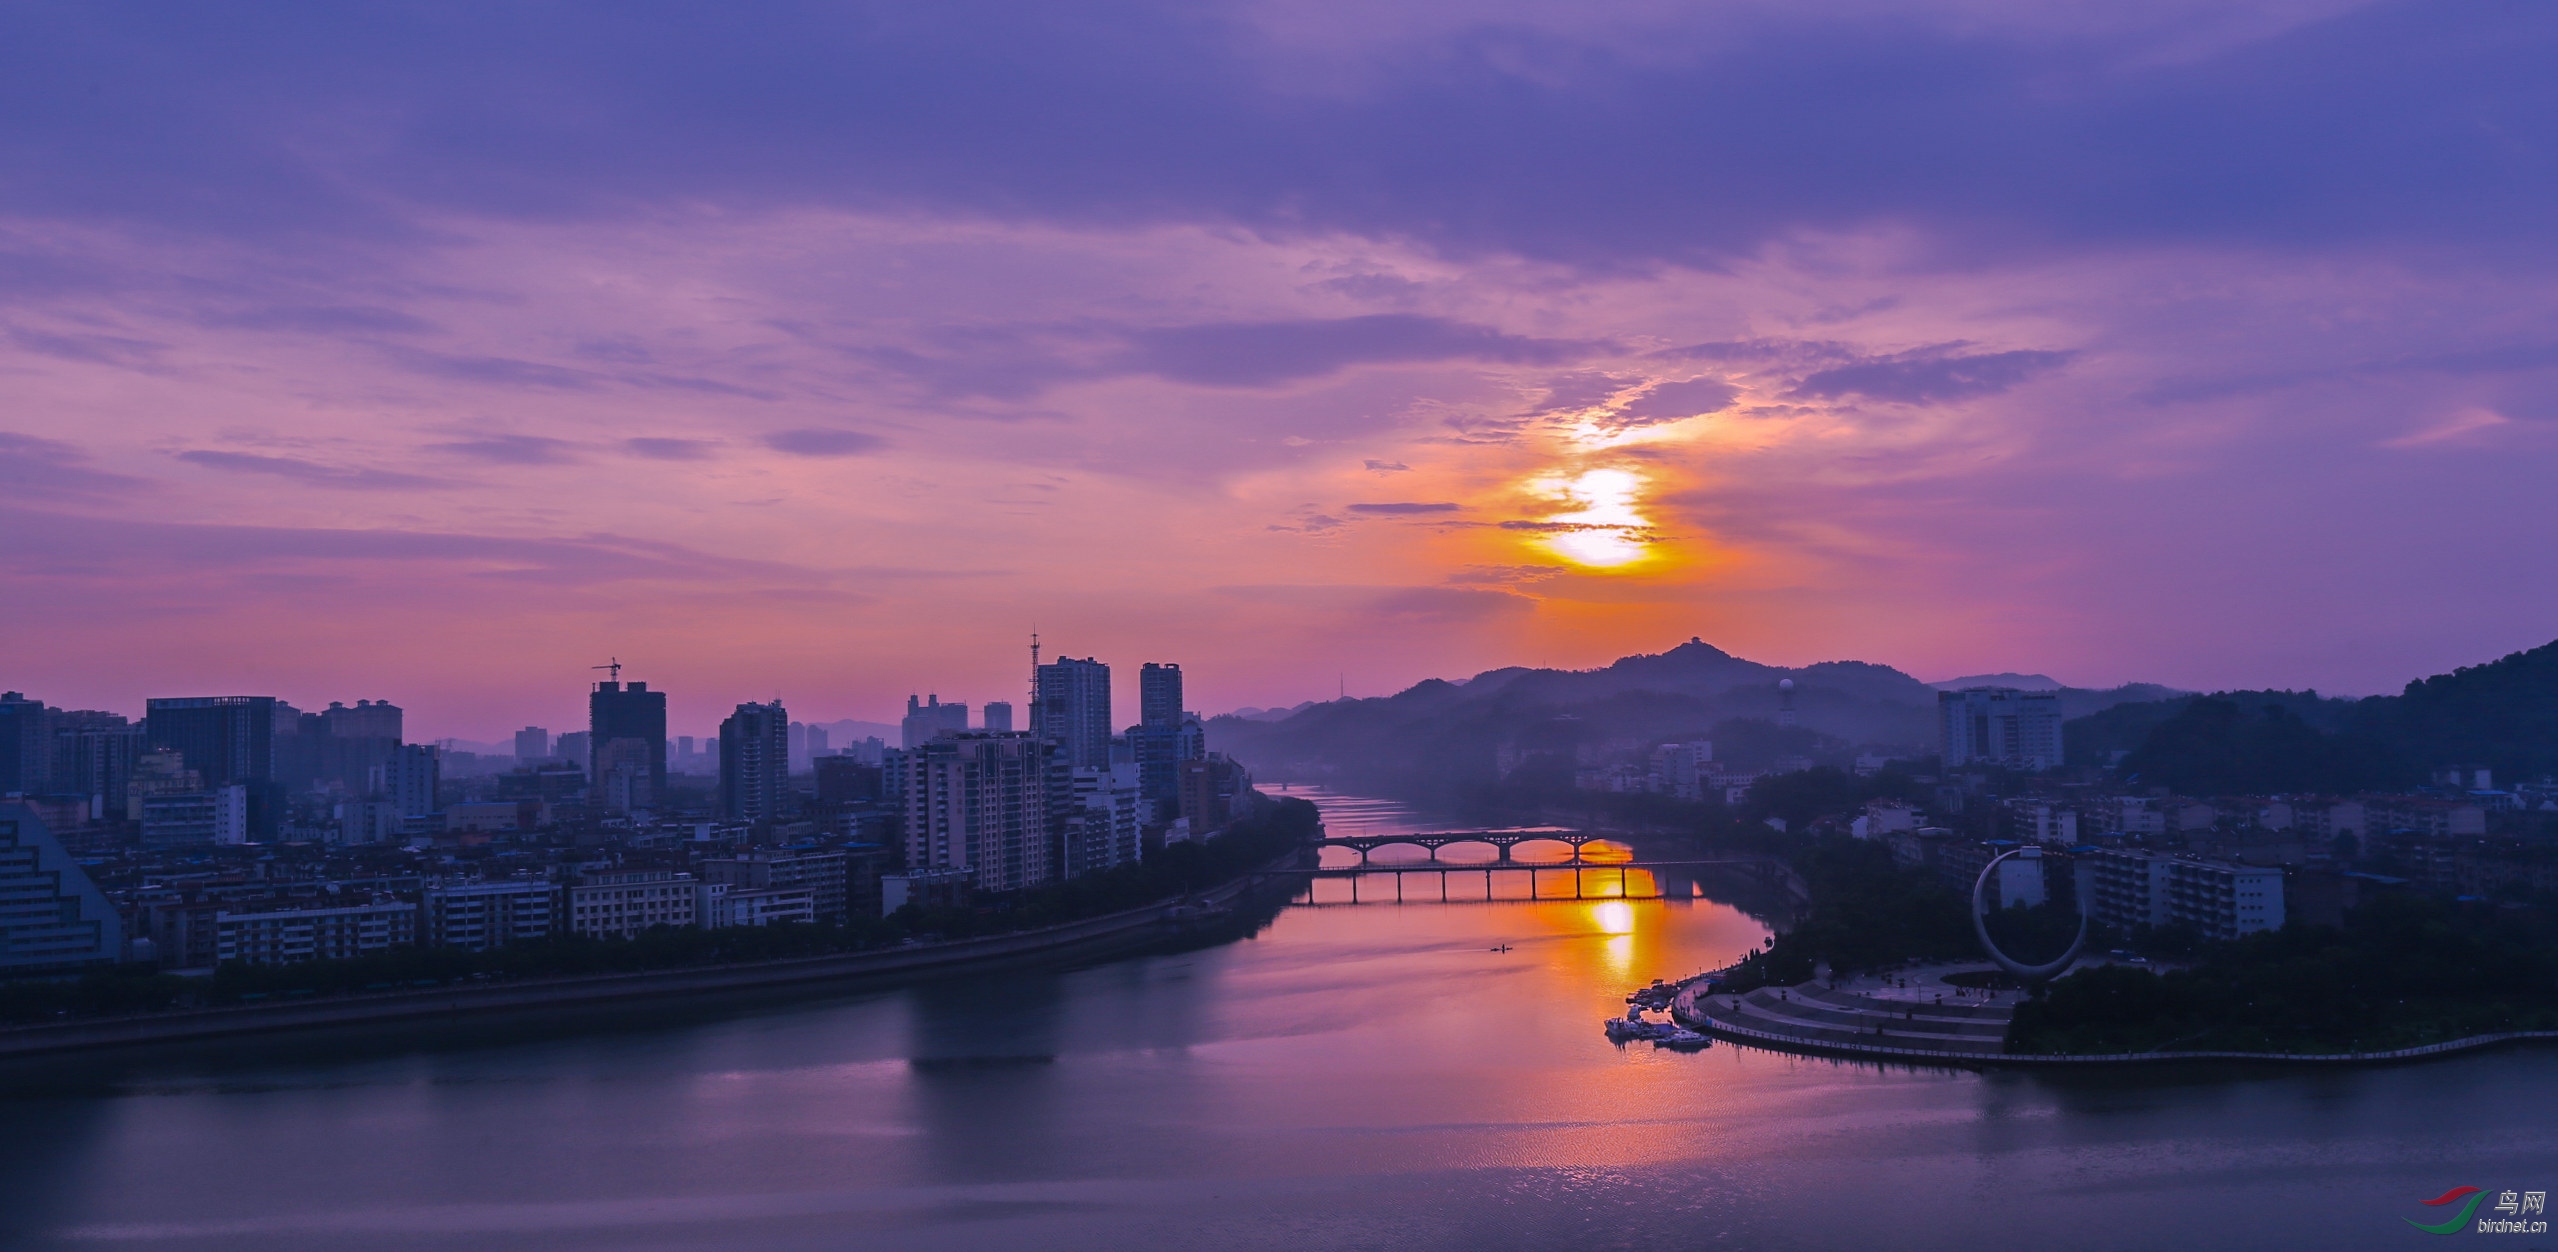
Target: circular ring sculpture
pixel 2024 972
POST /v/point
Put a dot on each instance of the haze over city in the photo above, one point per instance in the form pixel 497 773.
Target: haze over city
pixel 440 354
pixel 1277 624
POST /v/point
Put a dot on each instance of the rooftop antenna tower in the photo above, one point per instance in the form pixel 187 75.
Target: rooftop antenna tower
pixel 616 667
pixel 1033 711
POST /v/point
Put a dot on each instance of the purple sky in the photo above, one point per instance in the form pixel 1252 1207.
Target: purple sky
pixel 436 352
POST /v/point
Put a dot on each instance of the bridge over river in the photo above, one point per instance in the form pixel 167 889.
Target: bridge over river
pixel 1503 841
pixel 1545 880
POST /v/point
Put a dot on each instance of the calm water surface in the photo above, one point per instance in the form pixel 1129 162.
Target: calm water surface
pixel 1368 1076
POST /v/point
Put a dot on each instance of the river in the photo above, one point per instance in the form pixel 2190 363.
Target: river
pixel 1352 1076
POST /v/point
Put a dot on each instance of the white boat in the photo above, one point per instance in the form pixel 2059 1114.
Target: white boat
pixel 1682 1039
pixel 1632 1028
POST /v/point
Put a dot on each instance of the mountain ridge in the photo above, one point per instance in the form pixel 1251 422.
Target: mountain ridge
pixel 1443 736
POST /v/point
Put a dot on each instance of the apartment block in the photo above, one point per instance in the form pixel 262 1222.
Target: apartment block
pixel 2126 888
pixel 482 915
pixel 619 904
pixel 819 872
pixel 718 904
pixel 314 933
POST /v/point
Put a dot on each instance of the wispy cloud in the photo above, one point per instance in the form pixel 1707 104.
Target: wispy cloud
pixel 35 468
pixel 511 450
pixel 819 441
pixel 1929 376
pixel 314 473
pixel 1257 354
pixel 93 348
pixel 1400 509
pixel 664 449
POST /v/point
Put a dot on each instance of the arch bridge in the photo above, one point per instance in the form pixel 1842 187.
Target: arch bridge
pixel 1502 841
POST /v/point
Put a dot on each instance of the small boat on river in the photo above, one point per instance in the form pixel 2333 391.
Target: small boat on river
pixel 1633 1028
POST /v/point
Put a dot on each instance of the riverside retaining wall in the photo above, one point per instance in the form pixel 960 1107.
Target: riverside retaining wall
pixel 1091 937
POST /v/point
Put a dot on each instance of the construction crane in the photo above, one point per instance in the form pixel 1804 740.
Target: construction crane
pixel 616 667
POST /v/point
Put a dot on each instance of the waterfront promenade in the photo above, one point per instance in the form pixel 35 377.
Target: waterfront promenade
pixel 1934 1018
pixel 1877 1020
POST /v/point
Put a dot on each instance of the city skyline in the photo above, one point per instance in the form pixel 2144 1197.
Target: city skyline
pixel 1159 623
pixel 1181 329
pixel 1127 689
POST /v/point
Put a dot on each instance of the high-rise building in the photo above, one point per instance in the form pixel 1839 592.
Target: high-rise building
pixel 616 710
pixel 1159 752
pixel 26 744
pixel 1159 695
pixel 925 720
pixel 754 762
pixel 577 748
pixel 985 803
pixel 998 716
pixel 93 756
pixel 1073 711
pixel 410 777
pixel 55 917
pixel 1211 790
pixel 1105 821
pixel 533 744
pixel 369 719
pixel 621 777
pixel 336 748
pixel 229 740
pixel 2000 726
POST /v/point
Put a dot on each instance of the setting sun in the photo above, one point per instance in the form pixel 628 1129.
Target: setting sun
pixel 1604 530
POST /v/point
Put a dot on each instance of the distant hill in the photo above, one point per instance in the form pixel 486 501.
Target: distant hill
pixel 1251 713
pixel 2503 715
pixel 1442 739
pixel 2022 682
pixel 2097 739
pixel 1439 738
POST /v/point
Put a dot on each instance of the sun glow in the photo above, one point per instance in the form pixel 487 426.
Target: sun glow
pixel 1603 529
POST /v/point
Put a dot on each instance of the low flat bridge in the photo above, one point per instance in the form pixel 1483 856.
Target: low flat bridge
pixel 1502 841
